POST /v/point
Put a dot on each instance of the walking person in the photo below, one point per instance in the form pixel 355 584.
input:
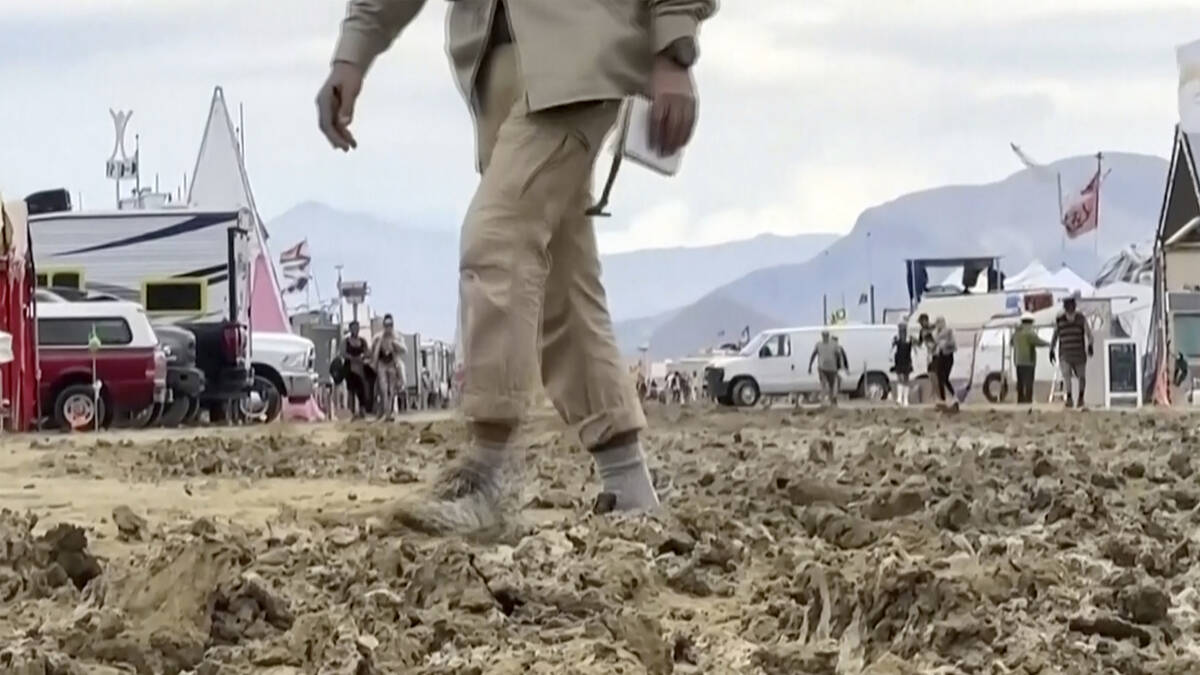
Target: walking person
pixel 902 365
pixel 388 353
pixel 944 347
pixel 543 80
pixel 828 355
pixel 1072 344
pixel 354 354
pixel 1025 343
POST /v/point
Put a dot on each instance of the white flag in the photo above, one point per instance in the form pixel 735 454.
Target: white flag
pixel 1189 87
pixel 1039 171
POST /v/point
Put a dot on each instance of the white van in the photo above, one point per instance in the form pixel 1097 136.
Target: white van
pixel 775 363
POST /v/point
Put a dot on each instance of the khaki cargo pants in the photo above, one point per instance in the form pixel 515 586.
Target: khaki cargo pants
pixel 530 292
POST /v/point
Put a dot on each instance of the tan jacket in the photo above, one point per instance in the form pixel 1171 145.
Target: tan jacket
pixel 569 50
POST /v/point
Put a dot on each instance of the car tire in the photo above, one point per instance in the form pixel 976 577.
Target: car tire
pixel 746 393
pixel 77 408
pixel 193 411
pixel 995 388
pixel 177 411
pixel 875 387
pixel 271 402
pixel 144 418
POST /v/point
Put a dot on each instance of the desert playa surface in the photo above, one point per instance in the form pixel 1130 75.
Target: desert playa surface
pixel 863 540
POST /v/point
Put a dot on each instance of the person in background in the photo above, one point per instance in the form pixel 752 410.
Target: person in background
pixel 388 353
pixel 1072 345
pixel 431 394
pixel 902 366
pixel 944 347
pixel 354 352
pixel 828 355
pixel 1026 341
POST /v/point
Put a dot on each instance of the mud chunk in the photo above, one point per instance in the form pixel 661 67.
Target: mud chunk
pixel 1110 627
pixel 1105 481
pixel 895 504
pixel 129 524
pixel 837 528
pixel 342 536
pixel 1184 499
pixel 807 491
pixel 644 637
pixel 1134 470
pixel 68 547
pixel 953 514
pixel 1144 604
pixel 1121 552
pixel 1181 463
pixel 553 499
pixel 1043 467
pixel 676 541
pixel 820 450
pixel 791 658
pixel 684 650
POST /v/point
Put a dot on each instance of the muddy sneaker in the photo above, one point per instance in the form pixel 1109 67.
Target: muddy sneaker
pixel 464 501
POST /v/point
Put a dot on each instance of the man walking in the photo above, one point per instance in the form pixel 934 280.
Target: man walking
pixel 1073 340
pixel 1025 342
pixel 544 80
pixel 829 357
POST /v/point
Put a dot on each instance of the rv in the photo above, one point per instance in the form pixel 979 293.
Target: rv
pixel 186 268
pixel 775 363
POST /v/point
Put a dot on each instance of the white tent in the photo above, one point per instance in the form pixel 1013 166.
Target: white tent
pixel 1030 277
pixel 220 182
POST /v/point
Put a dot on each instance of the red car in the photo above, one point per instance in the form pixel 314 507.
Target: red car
pixel 128 363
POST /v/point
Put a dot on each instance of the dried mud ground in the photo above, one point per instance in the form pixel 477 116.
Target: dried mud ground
pixel 858 541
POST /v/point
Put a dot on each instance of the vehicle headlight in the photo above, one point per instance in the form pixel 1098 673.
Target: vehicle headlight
pixel 295 360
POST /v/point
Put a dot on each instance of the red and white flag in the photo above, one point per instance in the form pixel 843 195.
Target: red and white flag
pixel 1081 213
pixel 294 264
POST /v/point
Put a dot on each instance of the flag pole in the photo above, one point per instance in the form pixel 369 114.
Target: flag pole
pixel 1099 180
pixel 1062 233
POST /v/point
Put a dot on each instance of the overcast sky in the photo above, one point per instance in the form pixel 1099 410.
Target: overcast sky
pixel 811 110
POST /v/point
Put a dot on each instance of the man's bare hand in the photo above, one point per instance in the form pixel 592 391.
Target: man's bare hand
pixel 335 105
pixel 673 113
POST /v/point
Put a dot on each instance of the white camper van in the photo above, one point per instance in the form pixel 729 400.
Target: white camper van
pixel 775 363
pixel 185 267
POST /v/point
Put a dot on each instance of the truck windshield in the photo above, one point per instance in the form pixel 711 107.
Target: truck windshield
pixel 752 347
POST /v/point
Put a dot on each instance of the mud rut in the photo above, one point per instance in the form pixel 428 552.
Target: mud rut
pixel 859 541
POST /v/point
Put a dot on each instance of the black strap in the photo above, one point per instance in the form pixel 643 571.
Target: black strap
pixel 598 210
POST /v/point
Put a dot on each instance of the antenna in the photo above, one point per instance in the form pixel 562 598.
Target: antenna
pixel 242 131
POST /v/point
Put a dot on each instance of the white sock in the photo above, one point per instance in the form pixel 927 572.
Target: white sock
pixel 623 473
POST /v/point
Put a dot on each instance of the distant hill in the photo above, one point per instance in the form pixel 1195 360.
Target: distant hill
pixel 1015 218
pixel 414 272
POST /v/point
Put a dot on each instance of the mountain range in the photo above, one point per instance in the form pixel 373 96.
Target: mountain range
pixel 680 300
pixel 1014 219
pixel 413 272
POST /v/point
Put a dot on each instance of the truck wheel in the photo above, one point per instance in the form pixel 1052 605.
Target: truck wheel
pixel 144 418
pixel 193 411
pixel 746 393
pixel 875 387
pixel 176 411
pixel 995 388
pixel 76 408
pixel 263 403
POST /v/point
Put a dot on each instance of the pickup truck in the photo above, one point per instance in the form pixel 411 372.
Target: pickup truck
pixel 284 370
pixel 185 382
pixel 128 363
